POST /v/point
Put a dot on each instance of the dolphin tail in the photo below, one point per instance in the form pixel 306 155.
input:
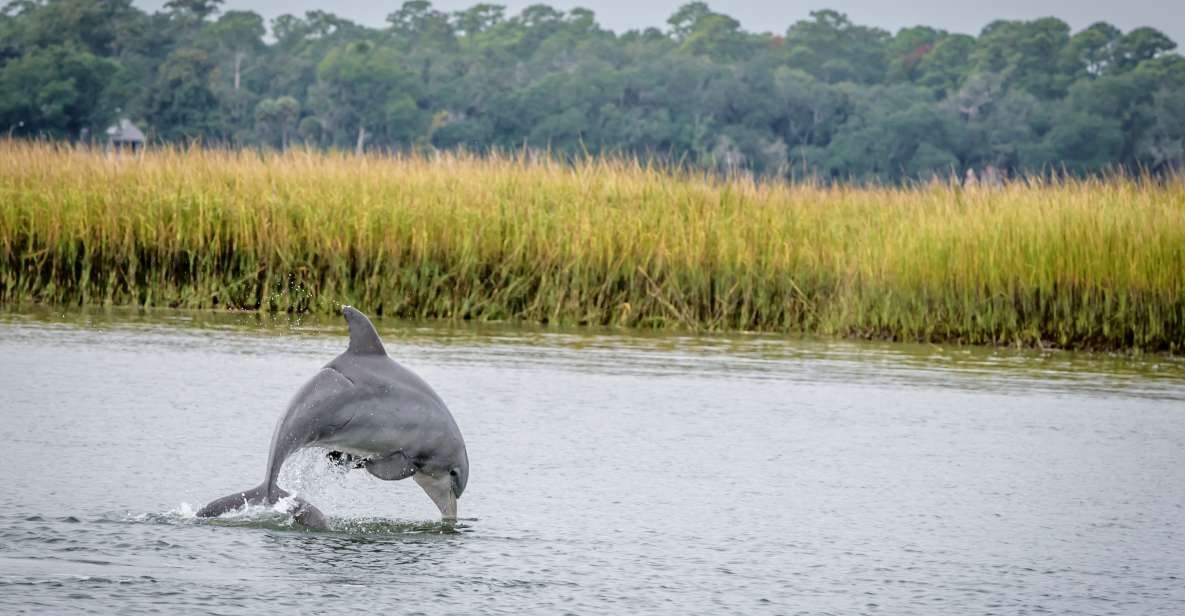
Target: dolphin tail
pixel 305 513
pixel 238 500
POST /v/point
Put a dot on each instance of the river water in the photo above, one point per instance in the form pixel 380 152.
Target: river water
pixel 610 473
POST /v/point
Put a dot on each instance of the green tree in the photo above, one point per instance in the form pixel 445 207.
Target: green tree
pixel 363 93
pixel 1126 97
pixel 1031 55
pixel 943 68
pixel 478 18
pixel 182 105
pixel 1162 147
pixel 894 133
pixel 830 97
pixel 275 119
pixel 1094 49
pixel 907 48
pixel 1078 143
pixel 720 37
pixel 811 110
pixel 97 26
pixel 684 21
pixel 197 10
pixel 416 23
pixel 833 49
pixel 54 91
pixel 1002 128
pixel 1139 45
pixel 237 35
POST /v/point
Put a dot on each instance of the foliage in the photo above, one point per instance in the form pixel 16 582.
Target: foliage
pixel 1084 263
pixel 824 98
pixel 361 89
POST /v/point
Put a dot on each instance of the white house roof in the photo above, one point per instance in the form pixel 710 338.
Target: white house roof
pixel 125 131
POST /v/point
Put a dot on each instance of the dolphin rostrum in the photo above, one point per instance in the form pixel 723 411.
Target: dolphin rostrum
pixel 373 413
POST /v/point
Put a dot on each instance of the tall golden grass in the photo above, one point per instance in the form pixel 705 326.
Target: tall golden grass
pixel 1079 263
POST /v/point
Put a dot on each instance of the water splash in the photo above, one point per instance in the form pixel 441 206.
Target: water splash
pixel 349 498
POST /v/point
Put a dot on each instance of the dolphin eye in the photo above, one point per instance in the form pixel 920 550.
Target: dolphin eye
pixel 453 472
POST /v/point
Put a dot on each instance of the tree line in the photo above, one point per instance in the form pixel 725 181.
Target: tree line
pixel 825 98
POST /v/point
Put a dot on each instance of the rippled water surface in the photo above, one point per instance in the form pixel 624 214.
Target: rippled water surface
pixel 610 473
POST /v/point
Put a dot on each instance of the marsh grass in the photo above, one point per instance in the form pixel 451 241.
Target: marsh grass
pixel 1079 263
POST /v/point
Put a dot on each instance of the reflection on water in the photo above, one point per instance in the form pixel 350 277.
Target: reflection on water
pixel 611 472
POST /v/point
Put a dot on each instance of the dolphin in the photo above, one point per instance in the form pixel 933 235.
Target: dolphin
pixel 372 413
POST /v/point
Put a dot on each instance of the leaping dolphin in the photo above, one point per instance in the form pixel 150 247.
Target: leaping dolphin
pixel 377 413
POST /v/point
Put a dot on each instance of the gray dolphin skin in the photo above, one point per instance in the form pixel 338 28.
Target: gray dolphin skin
pixel 373 413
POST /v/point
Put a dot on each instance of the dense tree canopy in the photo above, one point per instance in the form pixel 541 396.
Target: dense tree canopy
pixel 825 97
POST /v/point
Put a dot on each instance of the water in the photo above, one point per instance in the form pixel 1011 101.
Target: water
pixel 610 473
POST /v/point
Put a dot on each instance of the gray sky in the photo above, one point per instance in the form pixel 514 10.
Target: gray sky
pixel 775 16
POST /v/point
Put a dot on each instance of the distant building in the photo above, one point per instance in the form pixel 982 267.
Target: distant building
pixel 124 136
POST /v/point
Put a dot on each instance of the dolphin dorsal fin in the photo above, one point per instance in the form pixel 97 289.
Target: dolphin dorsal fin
pixel 364 340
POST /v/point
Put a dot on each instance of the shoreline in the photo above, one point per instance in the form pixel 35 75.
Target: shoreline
pixel 1078 264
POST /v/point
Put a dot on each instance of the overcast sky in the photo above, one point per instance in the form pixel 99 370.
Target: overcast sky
pixel 776 15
